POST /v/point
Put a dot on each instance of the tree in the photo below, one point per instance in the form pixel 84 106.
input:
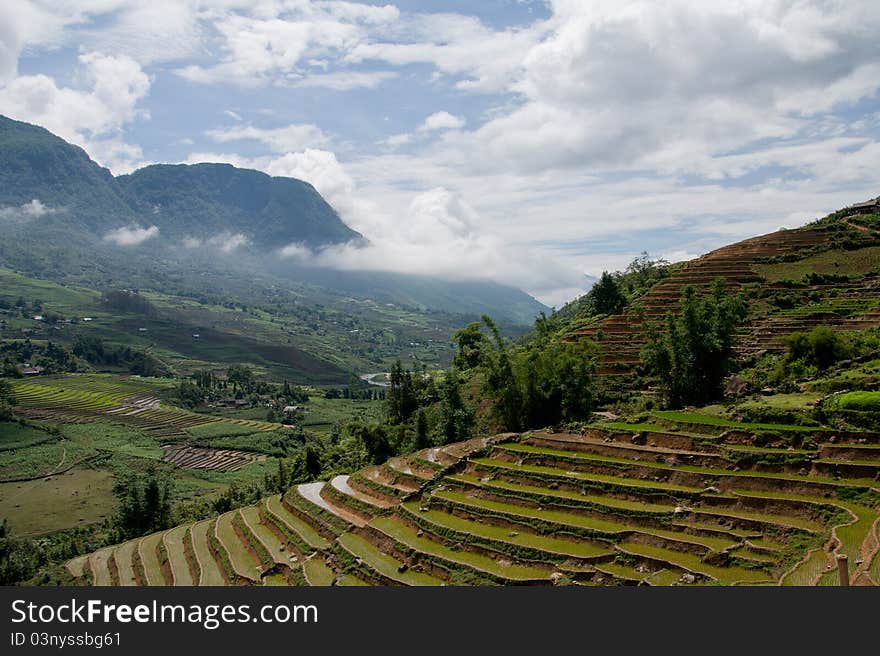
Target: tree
pixel 143 505
pixel 456 421
pixel 7 400
pixel 375 440
pixel 501 382
pixel 422 441
pixel 401 399
pixel 606 296
pixel 471 343
pixel 694 353
pixel 242 378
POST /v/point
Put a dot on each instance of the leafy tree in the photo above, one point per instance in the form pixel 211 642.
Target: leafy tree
pixel 401 399
pixel 539 385
pixel 695 352
pixel 7 400
pixel 641 274
pixel 606 296
pixel 471 343
pixel 143 505
pixel 422 441
pixel 376 441
pixel 501 382
pixel 456 420
pixel 242 378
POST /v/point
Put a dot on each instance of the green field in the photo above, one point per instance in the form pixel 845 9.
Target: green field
pixel 77 498
pixel 853 263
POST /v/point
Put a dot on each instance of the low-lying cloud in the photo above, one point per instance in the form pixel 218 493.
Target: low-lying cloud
pixel 32 210
pixel 131 235
pixel 225 242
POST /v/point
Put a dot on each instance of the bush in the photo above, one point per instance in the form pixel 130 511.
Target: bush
pixel 860 401
pixel 820 348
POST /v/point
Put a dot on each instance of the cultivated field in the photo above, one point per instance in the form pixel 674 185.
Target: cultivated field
pixel 684 499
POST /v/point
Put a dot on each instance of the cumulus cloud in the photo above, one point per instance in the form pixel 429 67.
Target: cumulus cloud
pixel 442 121
pixel 32 210
pixel 435 233
pixel 280 140
pixel 480 58
pixel 346 80
pixel 225 242
pixel 277 41
pixel 624 84
pixel 93 115
pixel 131 235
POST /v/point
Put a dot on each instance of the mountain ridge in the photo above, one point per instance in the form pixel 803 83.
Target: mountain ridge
pixel 71 220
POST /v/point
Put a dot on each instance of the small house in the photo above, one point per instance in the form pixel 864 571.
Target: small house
pixel 868 207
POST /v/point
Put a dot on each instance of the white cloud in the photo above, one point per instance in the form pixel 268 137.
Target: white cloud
pixel 92 116
pixel 32 210
pixel 277 42
pixel 131 235
pixel 398 140
pixel 346 80
pixel 435 232
pixel 228 242
pixel 623 84
pixel 279 140
pixel 483 59
pixel 442 121
pixel 225 242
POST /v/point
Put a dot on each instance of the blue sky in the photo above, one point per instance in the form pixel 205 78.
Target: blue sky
pixel 530 142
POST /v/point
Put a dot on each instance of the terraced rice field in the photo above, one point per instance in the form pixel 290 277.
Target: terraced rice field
pixel 222 460
pixel 511 510
pixel 844 306
pixel 132 401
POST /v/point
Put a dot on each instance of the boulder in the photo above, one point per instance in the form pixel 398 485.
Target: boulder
pixel 736 386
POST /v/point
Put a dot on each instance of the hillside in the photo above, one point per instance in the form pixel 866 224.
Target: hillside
pixel 194 229
pixel 764 489
pixel 202 201
pixel 682 501
pixel 825 273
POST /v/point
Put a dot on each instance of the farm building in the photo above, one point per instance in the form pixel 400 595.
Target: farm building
pixel 868 207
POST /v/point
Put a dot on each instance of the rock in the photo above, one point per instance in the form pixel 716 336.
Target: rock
pixel 639 439
pixel 553 486
pixel 512 534
pixel 688 578
pixel 402 568
pixel 736 386
pixel 556 577
pixel 423 509
pixel 679 509
pixel 420 533
pixel 711 490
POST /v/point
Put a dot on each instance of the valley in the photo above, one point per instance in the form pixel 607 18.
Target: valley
pixel 179 413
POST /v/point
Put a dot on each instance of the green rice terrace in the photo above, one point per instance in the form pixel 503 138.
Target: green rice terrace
pixel 680 499
pixel 826 273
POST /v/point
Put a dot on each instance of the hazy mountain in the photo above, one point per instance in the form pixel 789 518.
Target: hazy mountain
pixel 61 215
pixel 203 201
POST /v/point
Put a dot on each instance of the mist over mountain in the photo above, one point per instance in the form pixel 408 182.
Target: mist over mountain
pixel 66 218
